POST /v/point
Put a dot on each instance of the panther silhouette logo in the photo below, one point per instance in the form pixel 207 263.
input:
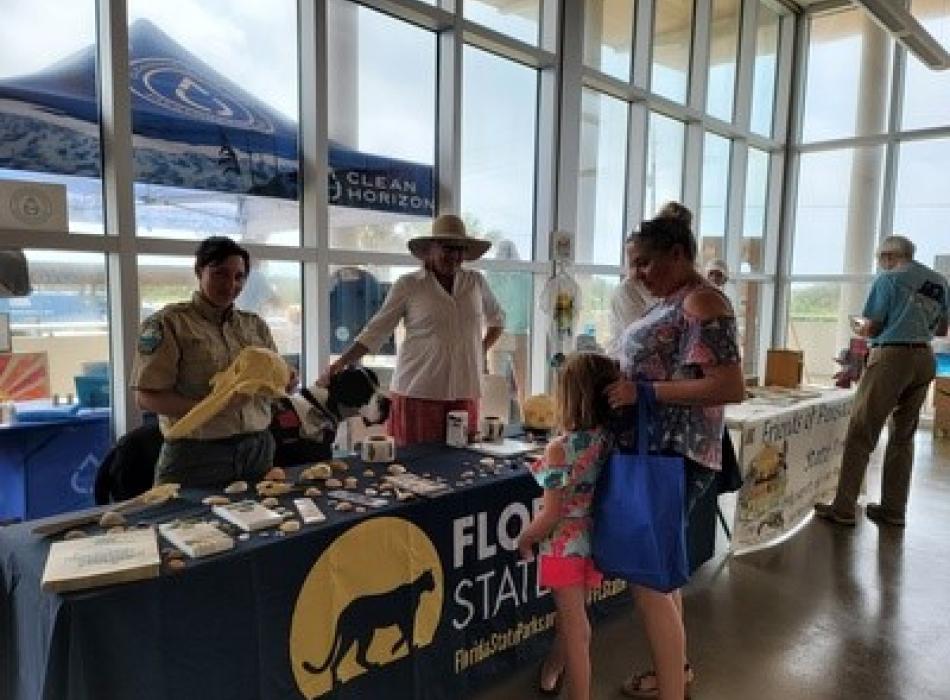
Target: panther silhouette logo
pixel 383 609
pixel 386 604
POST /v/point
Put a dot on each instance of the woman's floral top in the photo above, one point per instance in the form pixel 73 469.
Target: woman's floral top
pixel 585 452
pixel 666 344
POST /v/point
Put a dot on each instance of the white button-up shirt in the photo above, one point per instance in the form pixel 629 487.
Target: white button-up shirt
pixel 441 356
pixel 628 303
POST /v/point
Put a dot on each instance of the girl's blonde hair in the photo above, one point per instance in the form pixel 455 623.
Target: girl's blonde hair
pixel 582 403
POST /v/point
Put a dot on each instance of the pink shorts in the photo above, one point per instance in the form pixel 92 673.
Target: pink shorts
pixel 561 572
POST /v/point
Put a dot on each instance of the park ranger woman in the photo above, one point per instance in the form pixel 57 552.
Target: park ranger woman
pixel 180 348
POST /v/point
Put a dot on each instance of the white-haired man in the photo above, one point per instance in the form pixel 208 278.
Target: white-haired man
pixel 907 306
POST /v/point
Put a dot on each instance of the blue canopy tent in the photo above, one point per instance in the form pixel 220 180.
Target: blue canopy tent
pixel 200 131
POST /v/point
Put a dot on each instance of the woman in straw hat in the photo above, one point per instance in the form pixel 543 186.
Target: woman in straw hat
pixel 443 308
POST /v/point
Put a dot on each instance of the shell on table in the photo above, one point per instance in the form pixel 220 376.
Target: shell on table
pixel 215 500
pixel 320 470
pixel 236 487
pixel 111 518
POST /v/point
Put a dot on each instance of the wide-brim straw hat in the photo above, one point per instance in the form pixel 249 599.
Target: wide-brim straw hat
pixel 448 228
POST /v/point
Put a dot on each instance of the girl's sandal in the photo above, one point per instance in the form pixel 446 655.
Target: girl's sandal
pixel 644 686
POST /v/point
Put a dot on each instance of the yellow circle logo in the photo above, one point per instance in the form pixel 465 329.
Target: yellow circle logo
pixel 373 596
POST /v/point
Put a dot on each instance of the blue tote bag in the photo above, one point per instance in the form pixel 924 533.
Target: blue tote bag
pixel 639 532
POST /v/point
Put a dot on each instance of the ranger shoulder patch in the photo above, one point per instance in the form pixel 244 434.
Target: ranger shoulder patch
pixel 151 336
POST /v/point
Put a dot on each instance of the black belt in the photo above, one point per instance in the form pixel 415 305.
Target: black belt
pixel 917 346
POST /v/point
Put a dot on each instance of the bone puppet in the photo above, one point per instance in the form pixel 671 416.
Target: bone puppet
pixel 255 372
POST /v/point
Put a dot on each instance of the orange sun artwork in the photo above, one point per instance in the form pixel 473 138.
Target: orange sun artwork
pixel 24 376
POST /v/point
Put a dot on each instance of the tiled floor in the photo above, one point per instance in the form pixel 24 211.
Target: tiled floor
pixel 833 613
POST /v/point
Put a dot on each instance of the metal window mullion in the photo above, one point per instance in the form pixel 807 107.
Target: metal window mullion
pixel 892 150
pixel 449 136
pixel 119 202
pixel 746 73
pixel 783 79
pixel 643 44
pixel 314 210
pixel 792 163
pixel 545 207
pixel 700 57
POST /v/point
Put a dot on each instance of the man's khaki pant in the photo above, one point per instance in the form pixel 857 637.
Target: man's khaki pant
pixel 894 384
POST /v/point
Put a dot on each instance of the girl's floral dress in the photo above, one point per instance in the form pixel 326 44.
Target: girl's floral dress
pixel 585 453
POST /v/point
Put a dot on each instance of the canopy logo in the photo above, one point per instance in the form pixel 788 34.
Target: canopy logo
pixel 372 598
pixel 172 85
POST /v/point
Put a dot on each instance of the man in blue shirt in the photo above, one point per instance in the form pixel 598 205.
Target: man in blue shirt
pixel 907 306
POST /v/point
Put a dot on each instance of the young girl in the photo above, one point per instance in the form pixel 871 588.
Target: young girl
pixel 568 472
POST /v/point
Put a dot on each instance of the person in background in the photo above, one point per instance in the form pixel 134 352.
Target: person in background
pixel 630 299
pixel 515 293
pixel 185 344
pixel 906 308
pixel 444 308
pixel 568 474
pixel 686 347
pixel 717 272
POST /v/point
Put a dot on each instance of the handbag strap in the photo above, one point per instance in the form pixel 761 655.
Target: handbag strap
pixel 646 409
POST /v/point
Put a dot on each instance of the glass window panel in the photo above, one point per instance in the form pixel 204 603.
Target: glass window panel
pixel 818 324
pixel 65 316
pixel 763 78
pixel 837 219
pixel 608 36
pixel 717 155
pixel 922 209
pixel 723 49
pixel 666 139
pixel 510 356
pixel 43 140
pixel 499 134
pixel 272 291
pixel 849 66
pixel 753 298
pixel 594 317
pixel 519 20
pixel 672 39
pixel 927 92
pixel 382 82
pixel 756 199
pixel 601 181
pixel 214 124
pixel 356 293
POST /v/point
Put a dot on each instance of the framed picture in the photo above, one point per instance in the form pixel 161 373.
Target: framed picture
pixel 6 342
pixel 24 376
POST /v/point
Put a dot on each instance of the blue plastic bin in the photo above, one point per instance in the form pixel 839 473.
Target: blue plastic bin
pixel 943 364
pixel 92 391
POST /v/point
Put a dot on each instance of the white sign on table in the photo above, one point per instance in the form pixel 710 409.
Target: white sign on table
pixel 790 457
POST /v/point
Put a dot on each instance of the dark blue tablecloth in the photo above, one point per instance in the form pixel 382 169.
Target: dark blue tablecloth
pixel 247 623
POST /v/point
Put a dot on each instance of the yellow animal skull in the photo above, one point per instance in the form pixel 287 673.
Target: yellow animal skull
pixel 255 372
